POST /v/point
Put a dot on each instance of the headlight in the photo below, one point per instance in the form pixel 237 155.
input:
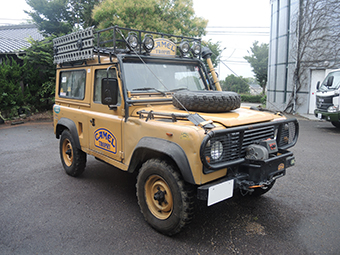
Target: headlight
pixel 216 150
pixel 287 135
pixel 333 108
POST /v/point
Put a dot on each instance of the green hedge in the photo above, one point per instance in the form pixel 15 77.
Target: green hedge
pixel 253 98
pixel 28 83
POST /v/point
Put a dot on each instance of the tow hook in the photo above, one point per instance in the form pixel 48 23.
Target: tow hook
pixel 256 186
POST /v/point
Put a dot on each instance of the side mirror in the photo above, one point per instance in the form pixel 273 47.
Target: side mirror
pixel 318 85
pixel 330 81
pixel 109 91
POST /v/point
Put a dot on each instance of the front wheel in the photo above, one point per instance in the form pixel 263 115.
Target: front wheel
pixel 165 200
pixel 72 158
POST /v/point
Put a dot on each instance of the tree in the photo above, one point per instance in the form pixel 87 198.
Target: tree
pixel 236 84
pixel 38 74
pixel 10 90
pixel 29 85
pixel 259 62
pixel 316 41
pixel 166 16
pixel 58 17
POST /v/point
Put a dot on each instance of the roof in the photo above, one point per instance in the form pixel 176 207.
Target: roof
pixel 14 38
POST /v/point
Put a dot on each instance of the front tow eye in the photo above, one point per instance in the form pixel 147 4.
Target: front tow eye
pixel 160 196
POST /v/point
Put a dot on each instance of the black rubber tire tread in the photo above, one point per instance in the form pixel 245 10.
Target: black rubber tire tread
pixel 79 157
pixel 259 191
pixel 182 193
pixel 207 101
pixel 336 124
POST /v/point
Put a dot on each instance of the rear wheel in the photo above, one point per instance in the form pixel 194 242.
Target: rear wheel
pixel 72 158
pixel 165 200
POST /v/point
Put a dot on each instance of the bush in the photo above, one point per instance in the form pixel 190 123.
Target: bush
pixel 10 88
pixel 251 98
pixel 29 85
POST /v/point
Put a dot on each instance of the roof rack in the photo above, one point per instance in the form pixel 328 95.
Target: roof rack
pixel 73 47
pixel 82 45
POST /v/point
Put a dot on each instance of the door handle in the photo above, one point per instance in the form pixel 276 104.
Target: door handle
pixel 92 122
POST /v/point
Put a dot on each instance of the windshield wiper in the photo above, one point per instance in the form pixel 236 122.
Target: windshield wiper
pixel 178 89
pixel 146 89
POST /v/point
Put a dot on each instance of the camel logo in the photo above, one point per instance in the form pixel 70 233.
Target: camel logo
pixel 164 47
pixel 105 140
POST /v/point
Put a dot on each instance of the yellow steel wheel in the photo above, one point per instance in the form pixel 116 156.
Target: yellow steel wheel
pixel 158 197
pixel 165 200
pixel 67 152
pixel 72 158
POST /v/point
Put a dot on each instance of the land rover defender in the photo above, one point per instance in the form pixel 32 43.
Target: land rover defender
pixel 145 102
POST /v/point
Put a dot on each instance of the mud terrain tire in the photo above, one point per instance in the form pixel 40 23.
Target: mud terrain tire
pixel 72 158
pixel 207 101
pixel 165 200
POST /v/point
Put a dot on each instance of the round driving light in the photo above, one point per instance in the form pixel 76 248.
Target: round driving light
pixel 196 49
pixel 216 150
pixel 184 47
pixel 132 41
pixel 148 43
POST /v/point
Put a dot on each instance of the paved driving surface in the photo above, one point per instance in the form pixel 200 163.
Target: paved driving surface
pixel 44 211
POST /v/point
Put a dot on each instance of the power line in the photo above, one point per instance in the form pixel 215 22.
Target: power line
pixel 12 19
pixel 237 27
pixel 238 33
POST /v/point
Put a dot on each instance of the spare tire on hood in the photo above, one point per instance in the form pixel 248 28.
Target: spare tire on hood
pixel 207 101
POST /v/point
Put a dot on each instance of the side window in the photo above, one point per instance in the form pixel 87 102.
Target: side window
pixel 99 75
pixel 72 84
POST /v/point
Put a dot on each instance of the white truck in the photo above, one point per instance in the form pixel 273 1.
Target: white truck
pixel 327 98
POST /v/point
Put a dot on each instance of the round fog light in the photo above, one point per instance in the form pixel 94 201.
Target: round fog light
pixel 184 47
pixel 196 49
pixel 148 43
pixel 132 41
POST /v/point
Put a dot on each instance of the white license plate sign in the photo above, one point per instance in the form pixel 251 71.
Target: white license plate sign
pixel 220 192
pixel 319 116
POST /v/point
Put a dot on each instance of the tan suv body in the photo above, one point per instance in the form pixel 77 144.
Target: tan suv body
pixel 145 109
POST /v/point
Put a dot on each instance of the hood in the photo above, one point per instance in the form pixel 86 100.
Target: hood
pixel 238 117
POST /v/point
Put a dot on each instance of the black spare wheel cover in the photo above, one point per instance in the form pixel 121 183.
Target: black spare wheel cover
pixel 207 101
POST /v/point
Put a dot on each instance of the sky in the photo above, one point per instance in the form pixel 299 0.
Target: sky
pixel 236 24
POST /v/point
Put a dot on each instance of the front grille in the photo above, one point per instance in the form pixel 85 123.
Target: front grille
pixel 322 103
pixel 235 141
pixel 255 136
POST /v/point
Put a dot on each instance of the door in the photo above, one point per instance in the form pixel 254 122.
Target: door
pixel 317 75
pixel 105 124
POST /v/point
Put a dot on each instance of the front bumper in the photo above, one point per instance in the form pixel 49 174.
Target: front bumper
pixel 329 116
pixel 249 175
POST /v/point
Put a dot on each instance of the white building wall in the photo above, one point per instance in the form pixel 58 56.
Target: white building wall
pixel 282 56
pixel 280 64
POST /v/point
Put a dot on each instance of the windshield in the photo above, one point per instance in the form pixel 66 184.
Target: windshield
pixel 162 77
pixel 332 79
